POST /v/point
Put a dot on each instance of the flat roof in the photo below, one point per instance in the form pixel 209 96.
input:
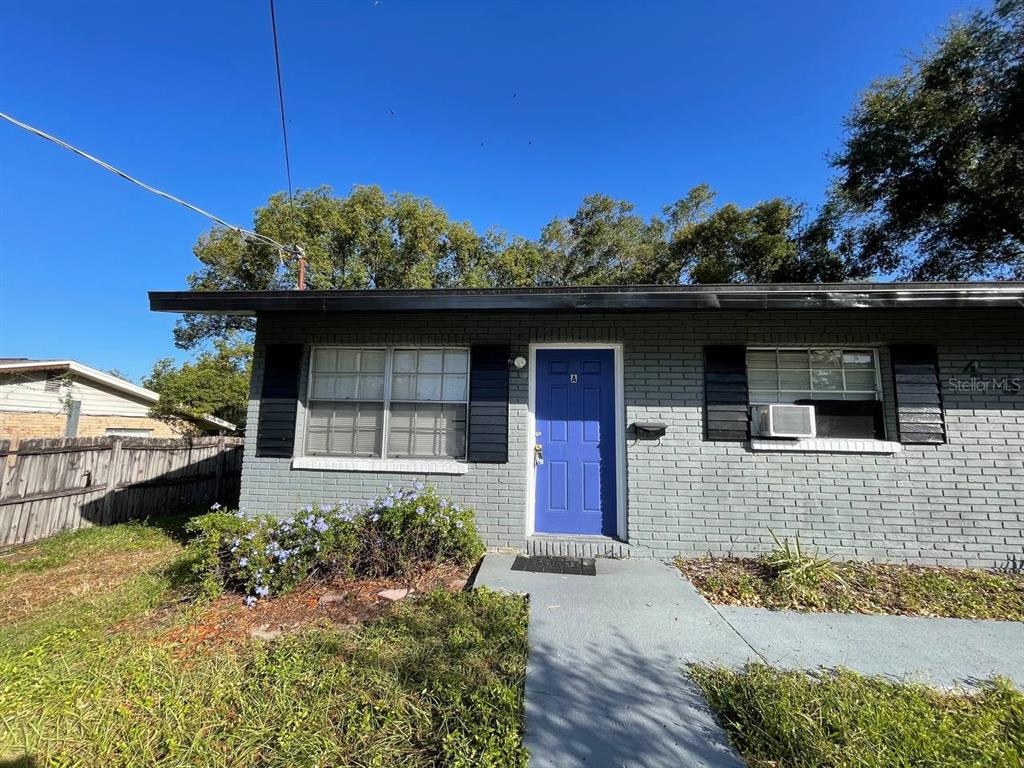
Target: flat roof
pixel 614 298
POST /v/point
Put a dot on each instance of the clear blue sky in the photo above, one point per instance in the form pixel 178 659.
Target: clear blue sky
pixel 504 114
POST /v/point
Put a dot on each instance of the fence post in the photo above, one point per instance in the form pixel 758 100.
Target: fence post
pixel 221 452
pixel 113 474
pixel 5 447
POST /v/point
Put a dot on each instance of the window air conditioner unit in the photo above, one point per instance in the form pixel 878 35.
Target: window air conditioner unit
pixel 782 420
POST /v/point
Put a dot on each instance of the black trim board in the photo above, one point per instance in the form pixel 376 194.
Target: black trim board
pixel 746 297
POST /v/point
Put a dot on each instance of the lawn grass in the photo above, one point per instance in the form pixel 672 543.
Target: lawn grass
pixel 84 567
pixel 91 680
pixel 782 719
pixel 62 548
pixel 862 587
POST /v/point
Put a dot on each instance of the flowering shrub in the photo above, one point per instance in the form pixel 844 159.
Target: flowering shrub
pixel 389 536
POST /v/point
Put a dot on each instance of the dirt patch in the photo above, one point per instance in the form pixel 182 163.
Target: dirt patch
pixel 27 592
pixel 331 601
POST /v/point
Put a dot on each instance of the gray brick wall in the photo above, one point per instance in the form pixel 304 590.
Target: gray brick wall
pixel 954 504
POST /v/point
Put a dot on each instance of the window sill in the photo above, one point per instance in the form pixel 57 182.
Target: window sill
pixel 826 445
pixel 411 466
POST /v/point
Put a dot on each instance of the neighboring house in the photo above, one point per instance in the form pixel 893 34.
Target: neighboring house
pixel 631 420
pixel 63 398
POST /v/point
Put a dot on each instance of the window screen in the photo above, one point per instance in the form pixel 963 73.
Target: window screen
pixel 786 375
pixel 346 410
pixel 429 390
pixel 411 400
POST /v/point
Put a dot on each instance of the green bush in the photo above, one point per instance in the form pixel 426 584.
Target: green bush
pixel 389 536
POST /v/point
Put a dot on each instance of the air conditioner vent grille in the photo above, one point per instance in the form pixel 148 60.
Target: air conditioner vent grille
pixel 783 420
pixel 795 420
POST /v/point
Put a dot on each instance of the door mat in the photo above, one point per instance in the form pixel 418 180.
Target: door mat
pixel 572 566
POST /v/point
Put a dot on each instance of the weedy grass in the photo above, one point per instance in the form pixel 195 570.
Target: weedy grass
pixel 780 719
pixel 859 587
pixel 62 548
pixel 89 681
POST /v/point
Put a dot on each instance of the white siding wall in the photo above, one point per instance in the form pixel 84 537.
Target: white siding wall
pixel 26 393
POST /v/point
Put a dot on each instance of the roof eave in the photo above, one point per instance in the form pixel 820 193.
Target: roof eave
pixel 850 296
pixel 85 372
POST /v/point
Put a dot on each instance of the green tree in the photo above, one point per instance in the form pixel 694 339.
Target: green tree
pixel 931 174
pixel 770 242
pixel 367 239
pixel 603 243
pixel 216 384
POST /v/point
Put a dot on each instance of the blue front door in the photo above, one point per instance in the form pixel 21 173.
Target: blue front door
pixel 575 419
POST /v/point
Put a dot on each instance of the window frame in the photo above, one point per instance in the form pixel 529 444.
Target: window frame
pixel 389 350
pixel 878 393
pixel 128 432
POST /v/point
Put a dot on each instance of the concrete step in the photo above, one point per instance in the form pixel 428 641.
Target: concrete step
pixel 576 546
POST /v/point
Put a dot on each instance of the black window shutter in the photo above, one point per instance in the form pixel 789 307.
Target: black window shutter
pixel 919 413
pixel 279 395
pixel 726 404
pixel 488 404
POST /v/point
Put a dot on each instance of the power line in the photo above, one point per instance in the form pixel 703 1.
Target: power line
pixel 280 99
pixel 245 233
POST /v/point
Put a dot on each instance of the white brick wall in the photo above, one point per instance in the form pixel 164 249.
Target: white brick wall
pixel 958 504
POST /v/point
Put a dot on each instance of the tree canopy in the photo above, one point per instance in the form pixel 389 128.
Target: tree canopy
pixel 369 239
pixel 931 174
pixel 216 384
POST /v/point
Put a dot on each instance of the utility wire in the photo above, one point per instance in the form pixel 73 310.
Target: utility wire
pixel 280 99
pixel 245 233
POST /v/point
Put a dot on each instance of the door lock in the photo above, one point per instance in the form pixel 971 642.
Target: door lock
pixel 538 454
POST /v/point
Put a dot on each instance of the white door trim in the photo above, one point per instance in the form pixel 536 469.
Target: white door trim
pixel 620 433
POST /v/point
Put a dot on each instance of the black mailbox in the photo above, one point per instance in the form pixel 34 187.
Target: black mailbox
pixel 649 430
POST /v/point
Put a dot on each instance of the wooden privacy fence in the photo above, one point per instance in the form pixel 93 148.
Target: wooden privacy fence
pixel 51 485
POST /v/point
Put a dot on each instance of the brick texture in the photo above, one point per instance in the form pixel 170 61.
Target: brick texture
pixel 953 504
pixel 21 426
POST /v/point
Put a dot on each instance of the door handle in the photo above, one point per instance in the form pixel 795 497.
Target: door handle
pixel 538 454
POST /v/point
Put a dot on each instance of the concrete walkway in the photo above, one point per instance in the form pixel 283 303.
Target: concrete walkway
pixel 945 653
pixel 603 680
pixel 604 685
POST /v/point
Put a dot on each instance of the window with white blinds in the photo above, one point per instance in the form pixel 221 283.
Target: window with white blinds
pixel 786 374
pixel 383 401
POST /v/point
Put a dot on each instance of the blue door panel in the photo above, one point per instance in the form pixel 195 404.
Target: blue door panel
pixel 558 486
pixel 591 404
pixel 592 486
pixel 575 402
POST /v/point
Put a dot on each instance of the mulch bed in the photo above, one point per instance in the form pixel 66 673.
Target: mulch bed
pixel 863 587
pixel 330 601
